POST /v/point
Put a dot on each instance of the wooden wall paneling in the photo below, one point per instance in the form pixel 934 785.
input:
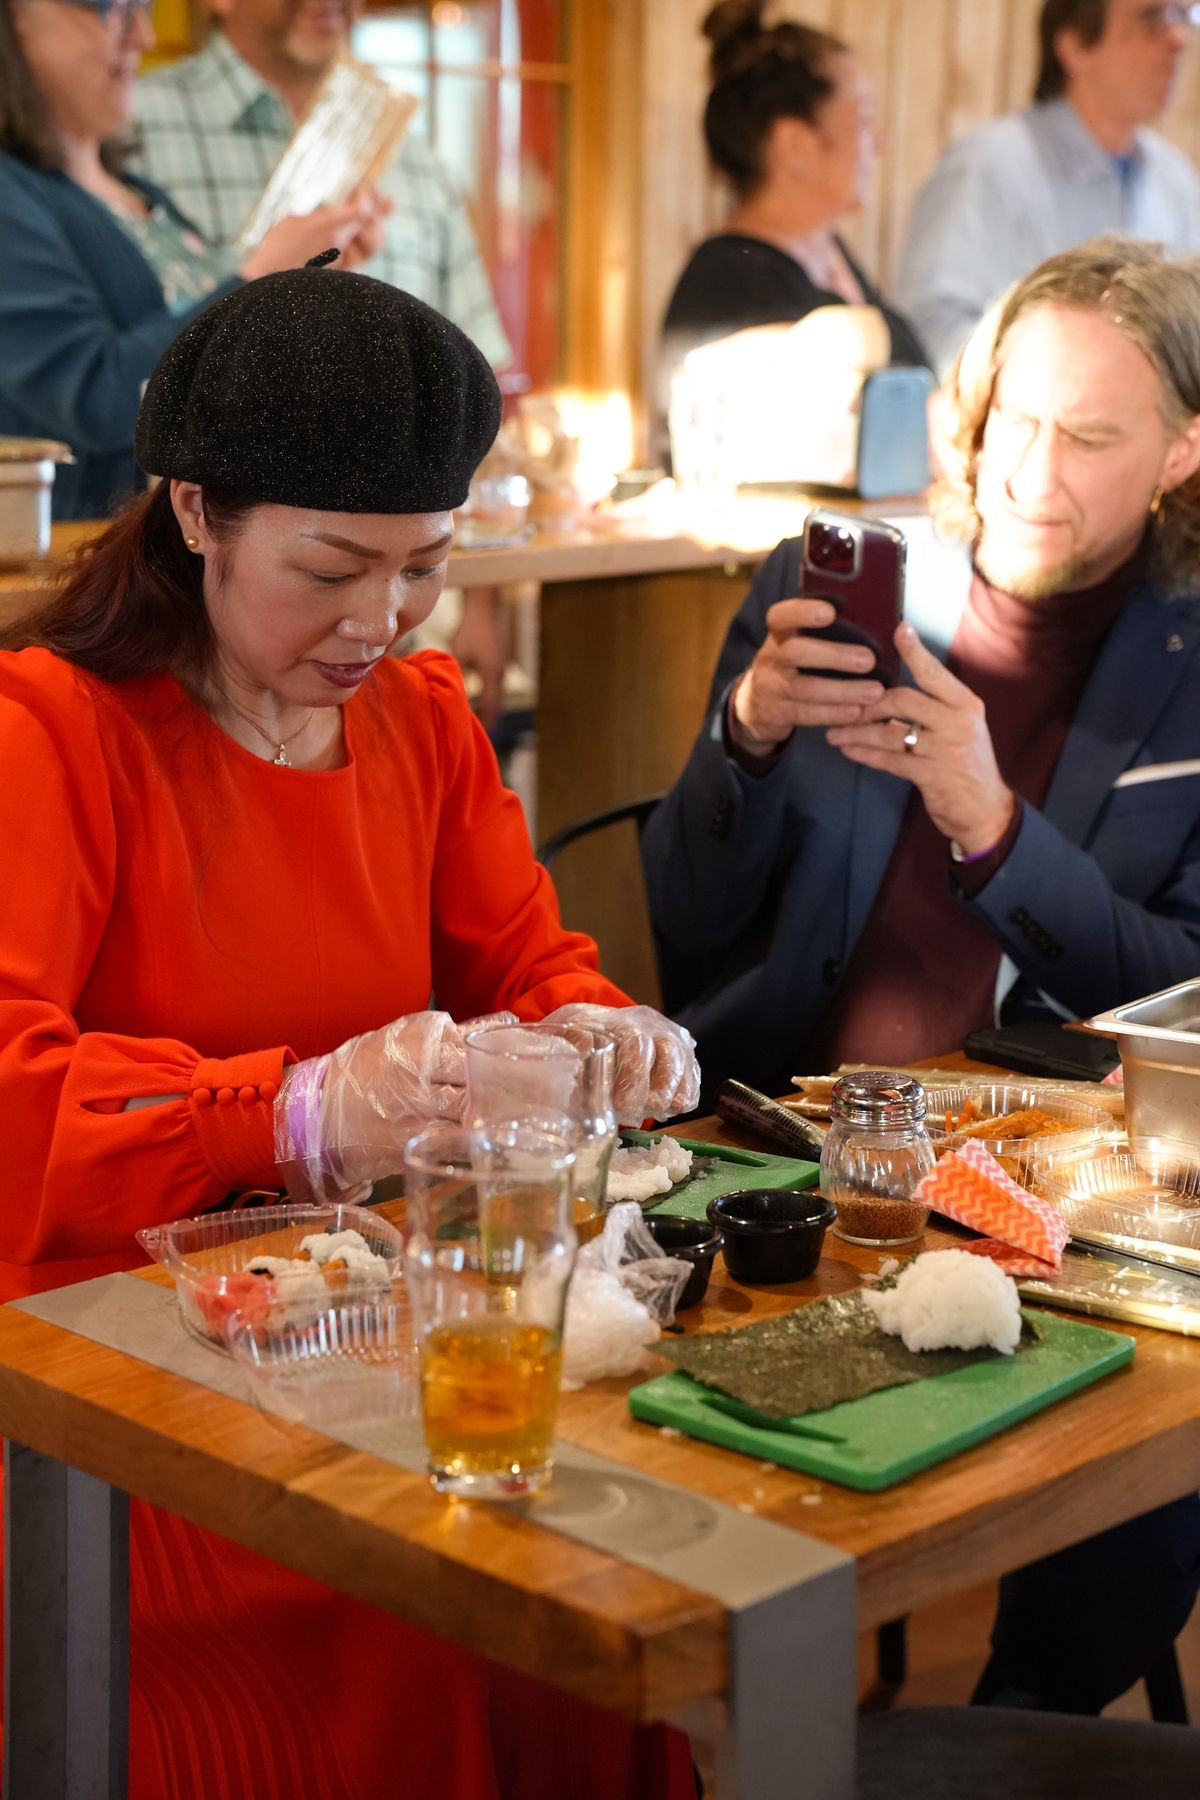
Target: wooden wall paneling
pixel 978 48
pixel 683 201
pixel 1023 53
pixel 917 102
pixel 867 26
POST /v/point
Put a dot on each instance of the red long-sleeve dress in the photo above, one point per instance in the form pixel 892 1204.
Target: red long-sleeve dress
pixel 180 918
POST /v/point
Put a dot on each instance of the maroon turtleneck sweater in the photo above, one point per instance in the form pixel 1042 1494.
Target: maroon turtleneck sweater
pixel 923 973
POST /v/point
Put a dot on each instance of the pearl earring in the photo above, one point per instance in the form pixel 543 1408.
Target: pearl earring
pixel 193 543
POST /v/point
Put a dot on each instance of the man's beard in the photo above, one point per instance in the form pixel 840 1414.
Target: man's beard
pixel 304 56
pixel 308 61
pixel 1013 574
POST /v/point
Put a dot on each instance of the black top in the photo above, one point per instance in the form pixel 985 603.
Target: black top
pixel 733 281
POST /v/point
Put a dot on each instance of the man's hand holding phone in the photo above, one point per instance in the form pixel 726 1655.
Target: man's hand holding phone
pixel 935 734
pixel 788 685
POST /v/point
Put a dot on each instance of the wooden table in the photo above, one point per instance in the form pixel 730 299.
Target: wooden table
pixel 632 619
pixel 660 1577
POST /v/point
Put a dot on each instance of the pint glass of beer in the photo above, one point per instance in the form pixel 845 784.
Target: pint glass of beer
pixel 489 1248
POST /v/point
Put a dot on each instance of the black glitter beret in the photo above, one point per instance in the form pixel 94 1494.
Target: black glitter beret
pixel 322 389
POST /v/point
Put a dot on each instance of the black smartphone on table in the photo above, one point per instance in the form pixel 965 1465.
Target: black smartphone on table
pixel 1044 1047
pixel 858 566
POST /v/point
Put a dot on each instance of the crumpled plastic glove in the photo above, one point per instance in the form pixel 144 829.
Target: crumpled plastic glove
pixel 343 1120
pixel 623 1291
pixel 657 1075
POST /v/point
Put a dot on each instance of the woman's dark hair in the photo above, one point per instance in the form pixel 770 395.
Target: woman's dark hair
pixel 133 602
pixel 760 73
pixel 25 128
pixel 1086 18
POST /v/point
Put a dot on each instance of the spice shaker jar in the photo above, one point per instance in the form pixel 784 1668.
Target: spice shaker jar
pixel 876 1152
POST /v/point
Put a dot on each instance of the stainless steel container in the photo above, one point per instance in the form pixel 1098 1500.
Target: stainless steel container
pixel 1159 1041
pixel 26 478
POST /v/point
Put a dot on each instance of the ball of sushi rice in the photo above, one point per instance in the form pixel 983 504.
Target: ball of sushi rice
pixel 950 1300
pixel 639 1172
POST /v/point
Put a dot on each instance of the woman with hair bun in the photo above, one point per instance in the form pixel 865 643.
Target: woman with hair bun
pixel 790 123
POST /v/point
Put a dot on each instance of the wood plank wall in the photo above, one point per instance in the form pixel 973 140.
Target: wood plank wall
pixel 939 67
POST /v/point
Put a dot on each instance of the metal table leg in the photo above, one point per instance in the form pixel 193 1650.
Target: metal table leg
pixel 787 1725
pixel 66 1632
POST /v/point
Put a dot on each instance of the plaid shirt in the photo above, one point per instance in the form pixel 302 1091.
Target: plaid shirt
pixel 210 132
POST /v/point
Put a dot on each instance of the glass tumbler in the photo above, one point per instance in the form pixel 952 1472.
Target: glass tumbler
pixel 560 1078
pixel 876 1151
pixel 489 1248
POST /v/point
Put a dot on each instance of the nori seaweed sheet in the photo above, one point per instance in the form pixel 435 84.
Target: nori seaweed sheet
pixel 821 1354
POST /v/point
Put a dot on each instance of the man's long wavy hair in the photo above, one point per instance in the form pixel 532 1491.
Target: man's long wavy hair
pixel 1155 300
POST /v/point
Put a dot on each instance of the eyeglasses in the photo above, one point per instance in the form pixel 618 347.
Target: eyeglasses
pixel 124 14
pixel 1158 19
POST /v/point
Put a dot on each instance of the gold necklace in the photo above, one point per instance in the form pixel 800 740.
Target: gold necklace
pixel 281 759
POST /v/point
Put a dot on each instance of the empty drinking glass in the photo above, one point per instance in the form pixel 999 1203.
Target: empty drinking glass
pixel 560 1077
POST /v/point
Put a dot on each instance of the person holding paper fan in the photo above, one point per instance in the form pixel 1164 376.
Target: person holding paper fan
pixel 212 127
pixel 101 268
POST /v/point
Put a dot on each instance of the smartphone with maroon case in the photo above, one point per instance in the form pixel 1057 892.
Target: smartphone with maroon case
pixel 858 566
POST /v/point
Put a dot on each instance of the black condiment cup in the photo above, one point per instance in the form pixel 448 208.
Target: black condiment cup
pixel 772 1234
pixel 692 1241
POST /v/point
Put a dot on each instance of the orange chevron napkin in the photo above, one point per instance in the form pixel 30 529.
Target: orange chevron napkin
pixel 969 1185
pixel 1017 1263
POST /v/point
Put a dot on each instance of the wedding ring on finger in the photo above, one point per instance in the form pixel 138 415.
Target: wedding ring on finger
pixel 911 737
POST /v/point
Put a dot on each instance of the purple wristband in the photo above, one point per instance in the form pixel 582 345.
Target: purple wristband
pixel 302 1114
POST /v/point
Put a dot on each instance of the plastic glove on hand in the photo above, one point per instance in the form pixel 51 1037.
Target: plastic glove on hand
pixel 657 1075
pixel 344 1118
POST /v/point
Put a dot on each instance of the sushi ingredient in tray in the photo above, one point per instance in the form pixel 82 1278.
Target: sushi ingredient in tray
pixel 947 1300
pixel 1012 1127
pixel 326 1266
pixel 638 1172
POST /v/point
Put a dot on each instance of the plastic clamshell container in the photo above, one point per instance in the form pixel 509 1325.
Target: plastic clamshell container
pixel 1159 1041
pixel 353 1365
pixel 207 1258
pixel 1142 1202
pixel 1085 1124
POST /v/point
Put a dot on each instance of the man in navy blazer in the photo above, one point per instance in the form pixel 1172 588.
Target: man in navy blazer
pixel 766 859
pixel 851 871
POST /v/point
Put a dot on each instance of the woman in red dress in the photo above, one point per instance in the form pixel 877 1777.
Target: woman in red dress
pixel 243 848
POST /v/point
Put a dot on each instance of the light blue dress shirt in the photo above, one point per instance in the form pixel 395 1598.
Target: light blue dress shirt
pixel 1020 189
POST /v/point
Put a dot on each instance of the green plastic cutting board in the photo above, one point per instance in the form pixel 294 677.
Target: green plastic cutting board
pixel 765 1171
pixel 887 1436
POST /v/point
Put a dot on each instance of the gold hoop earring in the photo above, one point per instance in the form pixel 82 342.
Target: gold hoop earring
pixel 1156 503
pixel 193 543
